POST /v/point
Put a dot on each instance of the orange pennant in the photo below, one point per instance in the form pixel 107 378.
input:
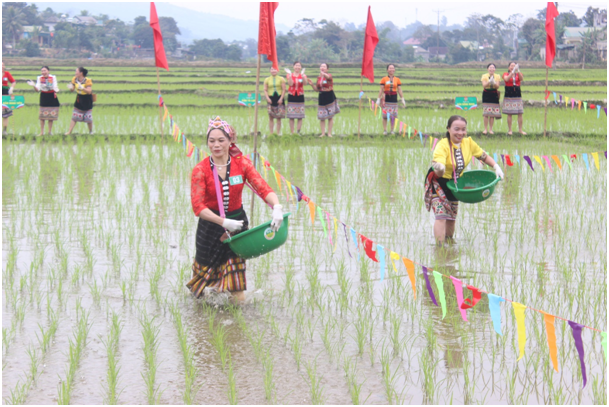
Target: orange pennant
pixel 557 161
pixel 549 321
pixel 312 210
pixel 410 268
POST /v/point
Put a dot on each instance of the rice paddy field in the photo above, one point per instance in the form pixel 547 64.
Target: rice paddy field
pixel 98 242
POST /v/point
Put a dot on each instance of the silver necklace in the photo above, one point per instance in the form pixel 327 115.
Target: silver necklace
pixel 217 165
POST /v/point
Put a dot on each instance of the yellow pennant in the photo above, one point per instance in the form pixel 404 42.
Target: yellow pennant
pixel 522 336
pixel 539 161
pixel 394 256
pixel 290 189
pixel 595 156
pixel 335 234
pixel 566 100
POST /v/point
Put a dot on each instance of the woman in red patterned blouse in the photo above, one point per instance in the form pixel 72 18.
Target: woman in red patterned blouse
pixel 327 105
pixel 216 265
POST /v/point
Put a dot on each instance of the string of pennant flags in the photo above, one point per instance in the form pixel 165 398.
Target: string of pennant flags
pixel 576 103
pixel 378 254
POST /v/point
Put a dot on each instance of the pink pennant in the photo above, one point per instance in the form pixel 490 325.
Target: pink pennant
pixel 329 229
pixel 545 157
pixel 435 141
pixel 459 290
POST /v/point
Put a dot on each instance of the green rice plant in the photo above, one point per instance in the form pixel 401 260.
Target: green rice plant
pixel 150 335
pixel 316 389
pixel 232 386
pixel 76 347
pixel 111 344
pixel 269 384
pixel 296 345
pixel 389 378
pixel 18 395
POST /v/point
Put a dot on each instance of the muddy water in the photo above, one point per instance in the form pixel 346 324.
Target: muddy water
pixel 110 227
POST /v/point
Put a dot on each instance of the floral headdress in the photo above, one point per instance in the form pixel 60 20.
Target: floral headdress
pixel 218 123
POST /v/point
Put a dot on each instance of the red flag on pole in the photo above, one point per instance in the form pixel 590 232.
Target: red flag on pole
pixel 159 50
pixel 370 42
pixel 266 32
pixel 551 14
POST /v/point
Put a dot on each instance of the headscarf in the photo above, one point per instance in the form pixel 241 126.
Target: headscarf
pixel 229 131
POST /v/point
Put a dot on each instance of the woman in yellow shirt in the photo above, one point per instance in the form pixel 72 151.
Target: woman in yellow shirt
pixel 274 90
pixel 452 153
pixel 490 98
pixel 83 106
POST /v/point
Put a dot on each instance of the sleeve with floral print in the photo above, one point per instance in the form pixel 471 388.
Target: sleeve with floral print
pixel 197 190
pixel 255 179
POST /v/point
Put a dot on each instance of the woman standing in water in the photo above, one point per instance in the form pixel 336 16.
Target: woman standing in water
pixel 216 194
pixel 327 105
pixel 490 98
pixel 46 84
pixel 274 90
pixel 296 99
pixel 391 87
pixel 512 100
pixel 452 153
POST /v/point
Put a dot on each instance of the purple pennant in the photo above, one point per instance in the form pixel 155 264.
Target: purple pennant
pixel 605 154
pixel 528 160
pixel 605 111
pixel 503 159
pixel 429 290
pixel 300 194
pixel 347 239
pixel 561 99
pixel 576 330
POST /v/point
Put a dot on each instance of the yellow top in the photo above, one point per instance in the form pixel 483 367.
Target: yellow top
pixel 273 84
pixel 468 148
pixel 487 77
pixel 80 87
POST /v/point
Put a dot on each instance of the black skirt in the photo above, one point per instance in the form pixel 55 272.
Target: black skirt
pixel 512 92
pixel 84 102
pixel 490 96
pixel 295 99
pixel 391 98
pixel 49 99
pixel 275 100
pixel 4 91
pixel 326 98
pixel 443 183
pixel 211 252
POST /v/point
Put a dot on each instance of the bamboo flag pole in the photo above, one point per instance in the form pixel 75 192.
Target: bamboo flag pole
pixel 359 117
pixel 158 84
pixel 545 115
pixel 256 127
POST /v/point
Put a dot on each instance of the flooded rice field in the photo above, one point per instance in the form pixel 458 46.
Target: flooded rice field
pixel 98 243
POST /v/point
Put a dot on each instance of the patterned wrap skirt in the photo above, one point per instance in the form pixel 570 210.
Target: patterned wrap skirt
pixel 216 265
pixel 6 111
pixel 512 101
pixel 439 198
pixel 296 107
pixel 391 107
pixel 276 110
pixel 327 106
pixel 49 106
pixel 85 116
pixel 490 104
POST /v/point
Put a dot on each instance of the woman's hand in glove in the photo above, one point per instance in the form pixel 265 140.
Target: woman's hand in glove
pixel 277 217
pixel 498 171
pixel 232 225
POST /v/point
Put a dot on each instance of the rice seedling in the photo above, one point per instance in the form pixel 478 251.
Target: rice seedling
pixel 76 347
pixel 111 344
pixel 150 335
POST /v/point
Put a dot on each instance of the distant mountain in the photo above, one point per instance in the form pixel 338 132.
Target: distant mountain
pixel 194 25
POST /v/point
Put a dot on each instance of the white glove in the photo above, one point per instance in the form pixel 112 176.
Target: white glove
pixel 70 86
pixel 303 71
pixel 378 101
pixel 287 70
pixel 277 217
pixel 517 68
pixel 498 171
pixel 232 225
pixel 403 102
pixel 10 91
pixel 438 166
pixel 30 82
pixel 492 81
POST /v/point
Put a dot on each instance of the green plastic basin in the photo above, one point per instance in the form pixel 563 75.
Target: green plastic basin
pixel 259 240
pixel 474 186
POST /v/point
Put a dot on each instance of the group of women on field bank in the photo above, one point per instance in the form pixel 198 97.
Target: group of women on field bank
pixel 48 87
pixel 512 100
pixel 275 90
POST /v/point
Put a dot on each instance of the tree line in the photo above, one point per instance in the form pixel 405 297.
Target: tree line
pixel 481 37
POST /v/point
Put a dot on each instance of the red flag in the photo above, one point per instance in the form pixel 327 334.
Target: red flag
pixel 159 51
pixel 368 248
pixel 551 14
pixel 370 42
pixel 266 32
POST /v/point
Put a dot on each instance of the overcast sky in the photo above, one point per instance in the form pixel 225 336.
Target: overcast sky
pixel 400 13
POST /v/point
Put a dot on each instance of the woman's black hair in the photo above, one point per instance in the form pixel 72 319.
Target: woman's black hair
pixel 296 62
pixel 222 130
pixel 510 63
pixel 393 65
pixel 490 65
pixel 44 66
pixel 83 71
pixel 451 120
pixel 326 64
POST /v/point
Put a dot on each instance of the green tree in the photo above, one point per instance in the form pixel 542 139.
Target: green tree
pixel 13 20
pixel 588 18
pixel 32 49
